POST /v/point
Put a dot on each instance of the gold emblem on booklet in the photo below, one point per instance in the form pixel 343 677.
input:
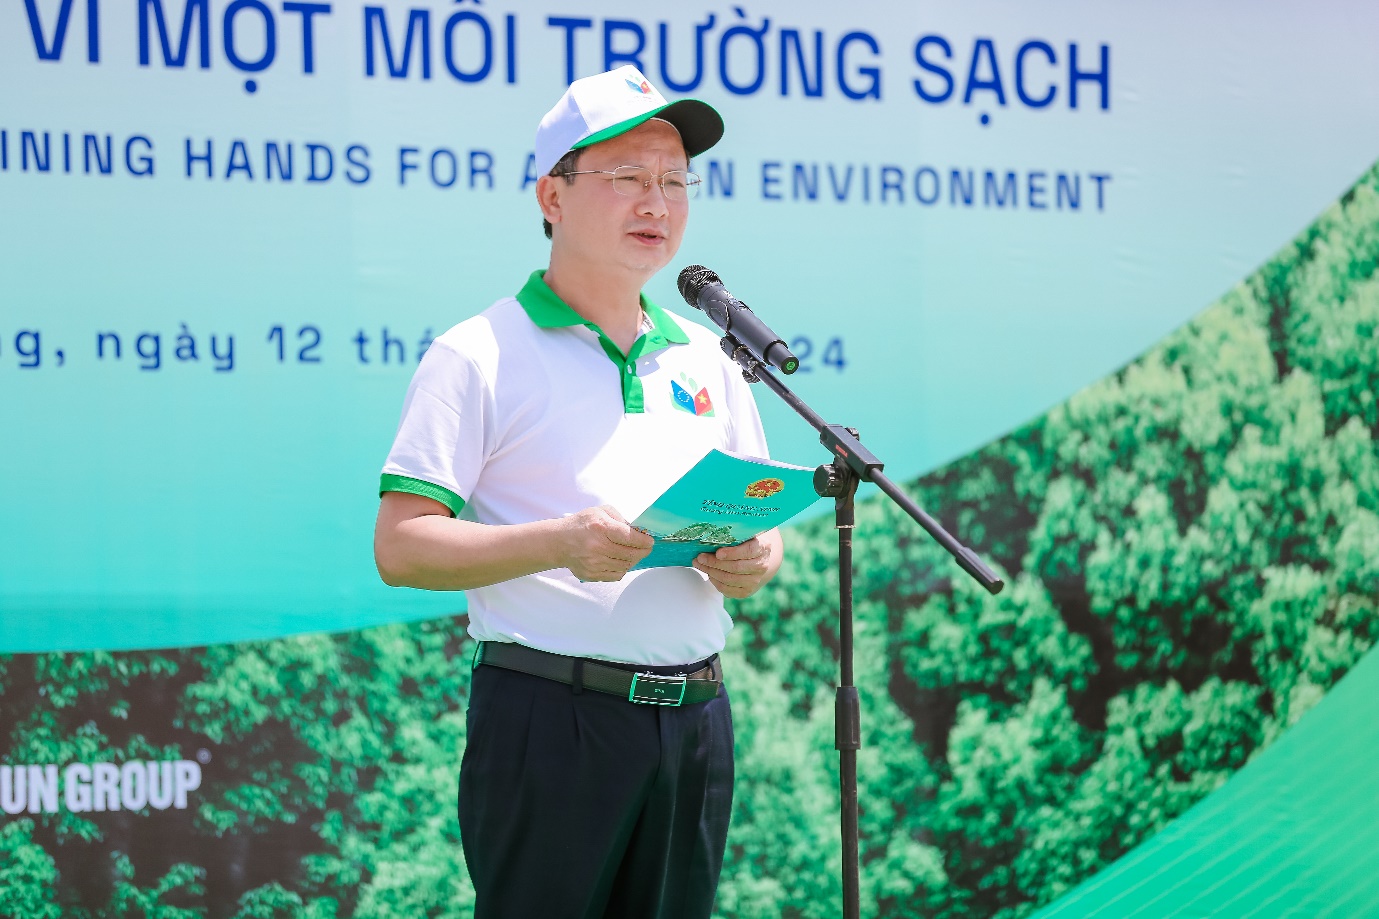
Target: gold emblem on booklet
pixel 765 488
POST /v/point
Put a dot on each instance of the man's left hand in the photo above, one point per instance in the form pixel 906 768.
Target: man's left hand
pixel 740 571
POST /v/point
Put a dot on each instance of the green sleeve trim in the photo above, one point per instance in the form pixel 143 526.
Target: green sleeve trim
pixel 402 483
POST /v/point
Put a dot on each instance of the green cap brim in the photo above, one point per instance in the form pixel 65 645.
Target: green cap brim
pixel 700 126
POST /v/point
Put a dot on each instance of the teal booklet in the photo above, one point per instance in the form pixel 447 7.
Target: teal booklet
pixel 724 500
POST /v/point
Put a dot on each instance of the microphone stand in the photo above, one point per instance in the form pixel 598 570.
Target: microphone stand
pixel 852 464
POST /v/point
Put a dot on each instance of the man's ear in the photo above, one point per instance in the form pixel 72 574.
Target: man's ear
pixel 548 189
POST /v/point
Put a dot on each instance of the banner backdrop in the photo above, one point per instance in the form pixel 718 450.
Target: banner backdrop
pixel 229 229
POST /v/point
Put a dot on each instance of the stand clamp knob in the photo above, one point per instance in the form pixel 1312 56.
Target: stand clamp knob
pixel 829 482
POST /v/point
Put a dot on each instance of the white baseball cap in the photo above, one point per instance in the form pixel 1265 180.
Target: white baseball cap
pixel 605 105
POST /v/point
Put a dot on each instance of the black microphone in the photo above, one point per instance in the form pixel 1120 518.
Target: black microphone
pixel 704 290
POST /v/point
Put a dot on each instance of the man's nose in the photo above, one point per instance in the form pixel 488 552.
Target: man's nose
pixel 653 199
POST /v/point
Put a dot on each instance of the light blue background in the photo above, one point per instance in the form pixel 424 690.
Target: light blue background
pixel 184 506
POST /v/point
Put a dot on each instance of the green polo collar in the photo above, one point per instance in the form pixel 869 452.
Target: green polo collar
pixel 548 311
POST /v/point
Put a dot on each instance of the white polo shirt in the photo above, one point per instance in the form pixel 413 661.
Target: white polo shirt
pixel 528 412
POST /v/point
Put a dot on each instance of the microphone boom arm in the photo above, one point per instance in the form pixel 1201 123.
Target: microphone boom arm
pixel 846 446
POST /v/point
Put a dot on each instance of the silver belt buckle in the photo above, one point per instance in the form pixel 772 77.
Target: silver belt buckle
pixel 655 689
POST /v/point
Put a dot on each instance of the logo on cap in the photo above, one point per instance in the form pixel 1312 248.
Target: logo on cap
pixel 644 88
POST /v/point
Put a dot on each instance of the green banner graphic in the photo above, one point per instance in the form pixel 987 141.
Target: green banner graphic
pixel 1295 834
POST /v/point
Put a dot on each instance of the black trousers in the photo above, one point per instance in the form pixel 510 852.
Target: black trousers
pixel 587 806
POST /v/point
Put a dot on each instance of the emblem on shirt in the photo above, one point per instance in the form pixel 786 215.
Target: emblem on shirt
pixel 765 488
pixel 689 396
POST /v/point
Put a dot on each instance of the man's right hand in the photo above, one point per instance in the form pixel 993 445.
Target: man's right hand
pixel 599 545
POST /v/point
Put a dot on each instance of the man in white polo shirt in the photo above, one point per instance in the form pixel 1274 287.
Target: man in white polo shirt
pixel 529 436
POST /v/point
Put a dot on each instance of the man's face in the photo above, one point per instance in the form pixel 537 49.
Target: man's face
pixel 599 226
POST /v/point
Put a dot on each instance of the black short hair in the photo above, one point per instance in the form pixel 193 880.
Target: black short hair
pixel 563 167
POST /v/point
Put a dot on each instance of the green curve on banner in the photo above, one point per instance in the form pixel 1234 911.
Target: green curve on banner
pixel 1294 833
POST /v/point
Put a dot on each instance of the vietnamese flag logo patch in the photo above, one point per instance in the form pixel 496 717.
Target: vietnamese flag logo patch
pixel 687 399
pixel 644 88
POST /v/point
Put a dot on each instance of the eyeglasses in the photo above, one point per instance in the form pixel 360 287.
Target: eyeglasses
pixel 632 181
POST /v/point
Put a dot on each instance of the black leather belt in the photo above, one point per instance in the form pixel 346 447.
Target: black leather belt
pixel 645 688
